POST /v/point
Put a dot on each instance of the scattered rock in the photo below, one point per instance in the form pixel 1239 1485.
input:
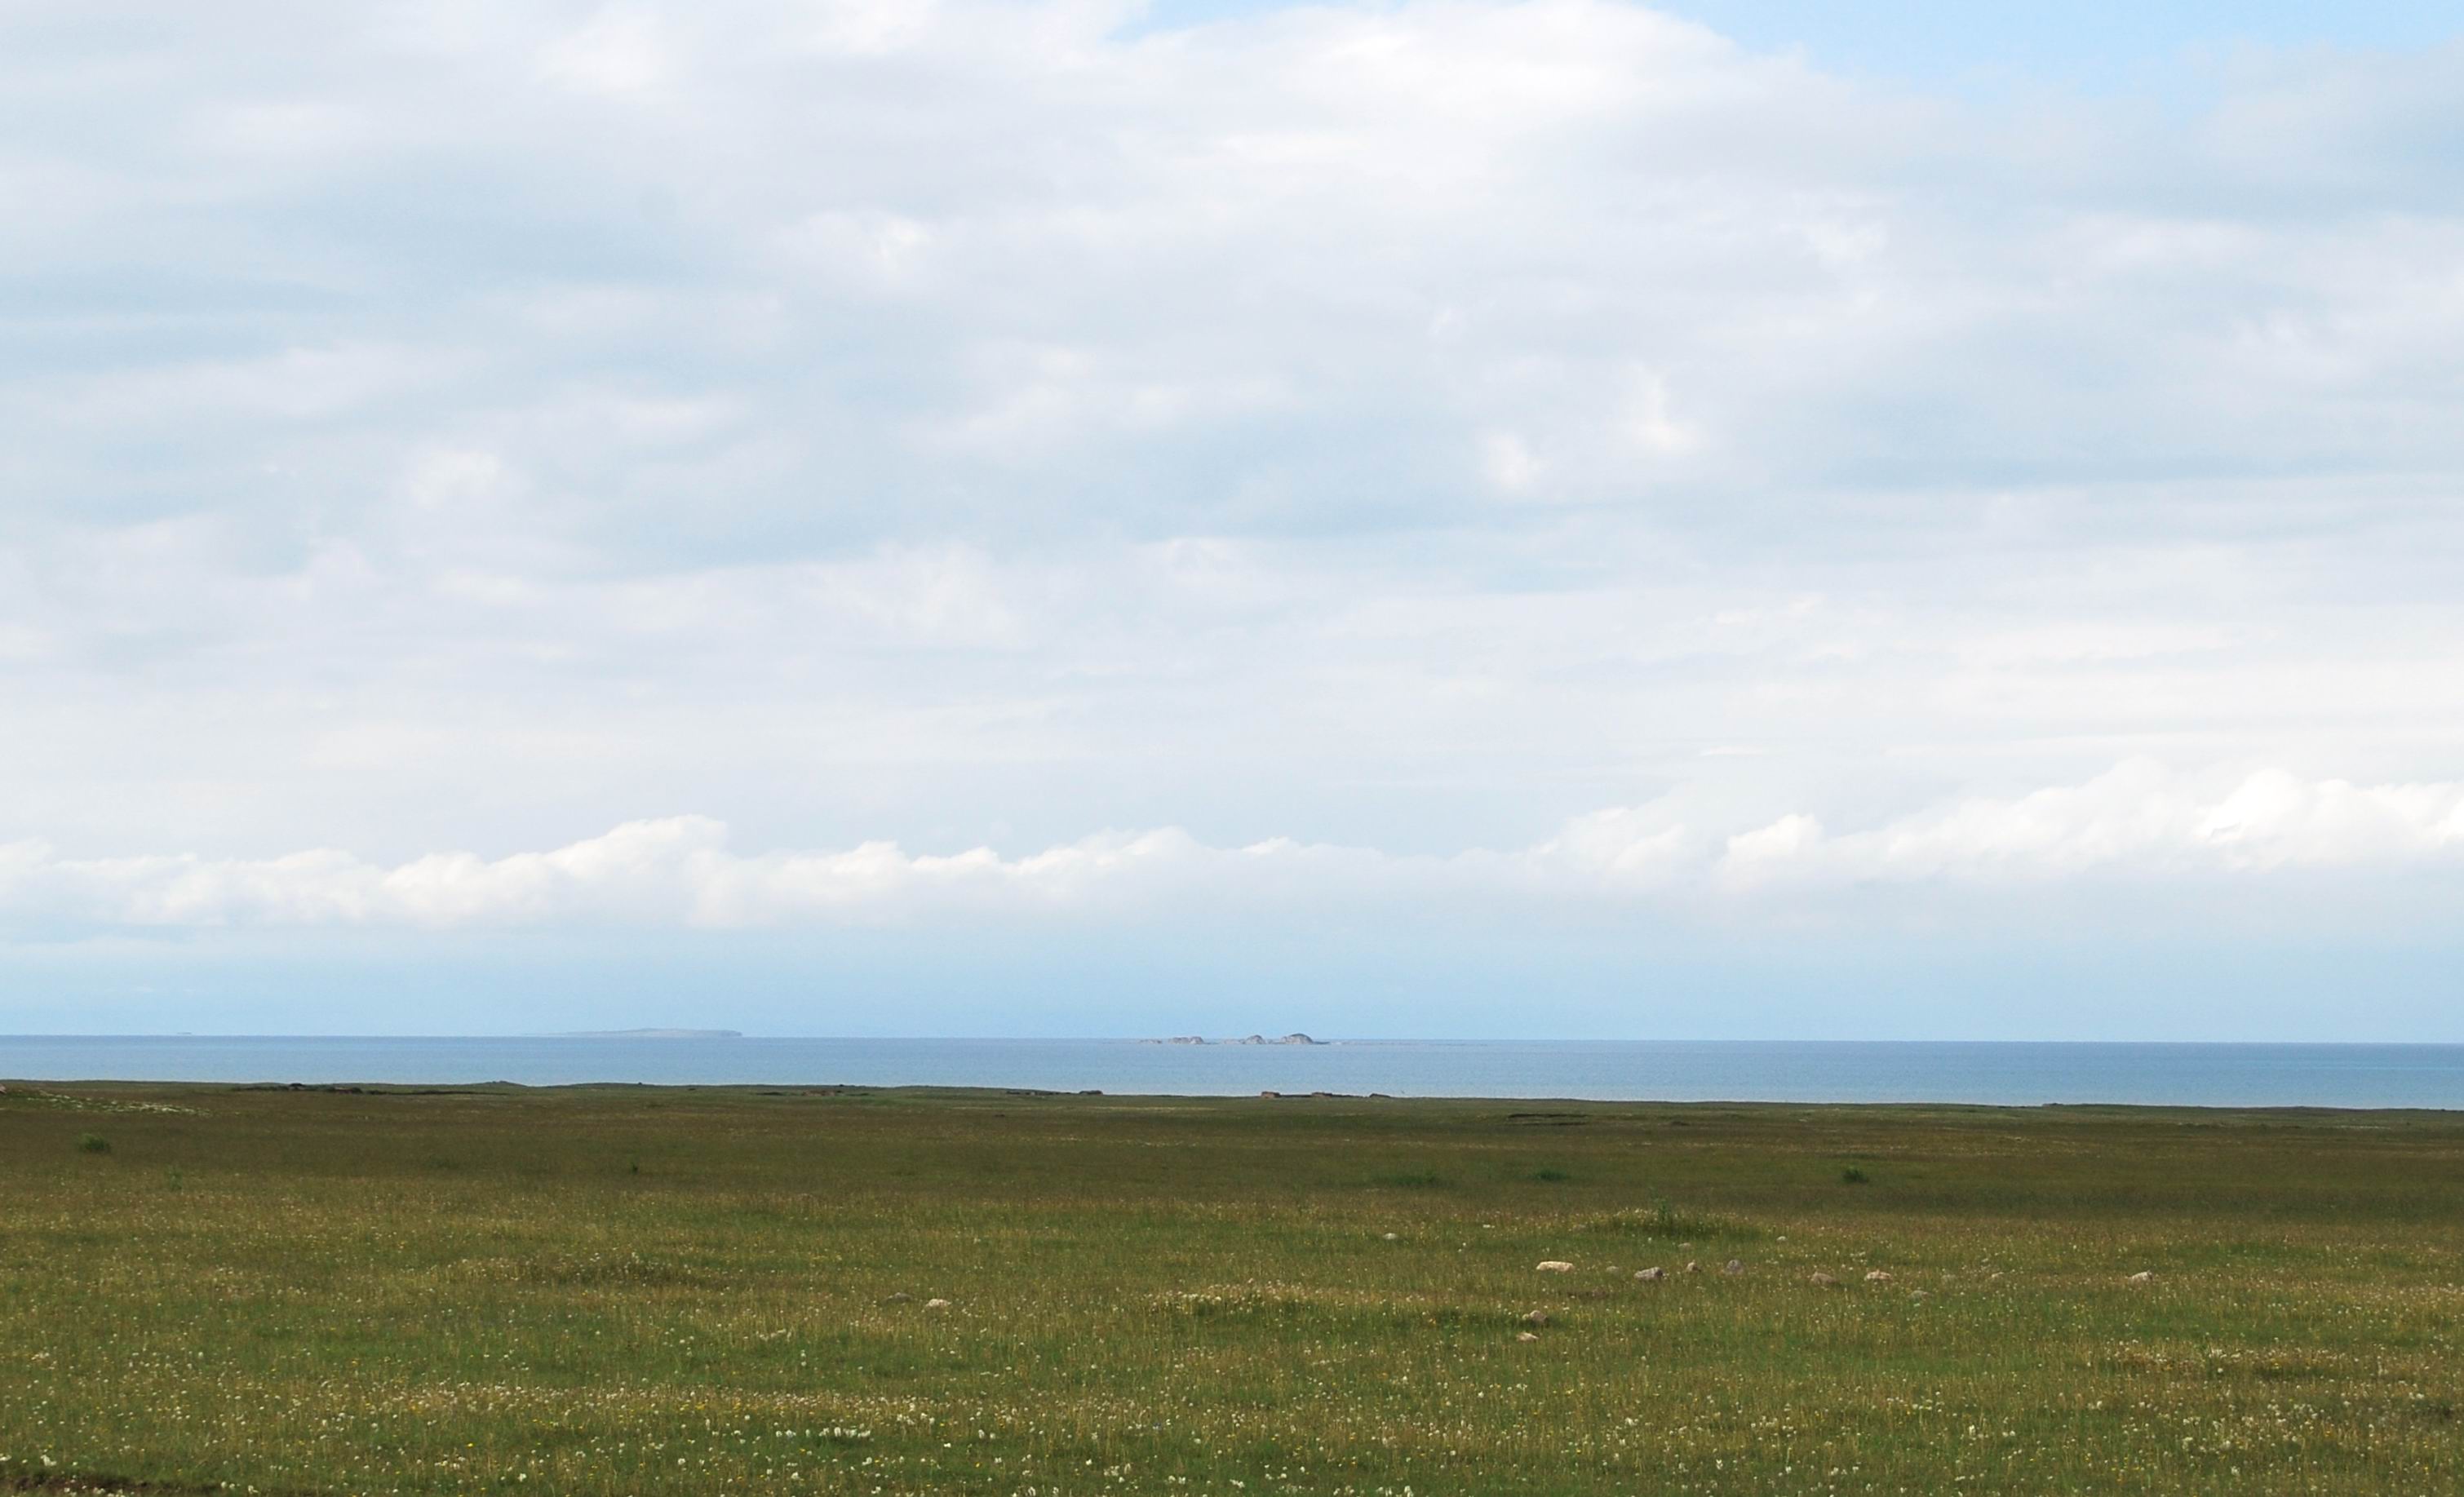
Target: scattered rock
pixel 1535 1318
pixel 1732 1267
pixel 1782 1238
pixel 1877 1276
pixel 899 1298
pixel 1691 1267
pixel 936 1304
pixel 1553 1265
pixel 2142 1276
pixel 1919 1296
pixel 1526 1335
pixel 1394 1237
pixel 1651 1275
pixel 1822 1280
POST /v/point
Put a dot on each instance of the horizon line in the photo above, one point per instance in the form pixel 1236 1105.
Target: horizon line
pixel 677 1035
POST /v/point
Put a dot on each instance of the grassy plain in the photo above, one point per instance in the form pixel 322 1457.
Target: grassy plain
pixel 637 1290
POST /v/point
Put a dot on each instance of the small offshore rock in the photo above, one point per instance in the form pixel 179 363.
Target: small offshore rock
pixel 1651 1275
pixel 1552 1265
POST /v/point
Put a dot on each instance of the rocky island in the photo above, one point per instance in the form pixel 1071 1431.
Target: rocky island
pixel 1294 1038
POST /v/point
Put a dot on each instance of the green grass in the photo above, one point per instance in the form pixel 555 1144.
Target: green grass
pixel 635 1290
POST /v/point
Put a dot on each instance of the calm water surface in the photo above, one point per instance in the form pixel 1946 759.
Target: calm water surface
pixel 2207 1076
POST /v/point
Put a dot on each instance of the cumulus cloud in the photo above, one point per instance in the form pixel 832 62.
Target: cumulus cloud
pixel 2136 820
pixel 2139 817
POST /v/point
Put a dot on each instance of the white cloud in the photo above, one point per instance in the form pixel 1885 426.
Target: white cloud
pixel 1626 845
pixel 616 53
pixel 2275 819
pixel 2135 822
pixel 1508 462
pixel 2138 817
pixel 1781 845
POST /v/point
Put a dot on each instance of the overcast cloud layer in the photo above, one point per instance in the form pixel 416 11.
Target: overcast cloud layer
pixel 1426 469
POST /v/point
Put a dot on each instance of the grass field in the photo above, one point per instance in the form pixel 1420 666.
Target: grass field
pixel 636 1290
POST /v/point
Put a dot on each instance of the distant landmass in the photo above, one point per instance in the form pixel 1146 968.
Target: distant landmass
pixel 1254 1039
pixel 649 1034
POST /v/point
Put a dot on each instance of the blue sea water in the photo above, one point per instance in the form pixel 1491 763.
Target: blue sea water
pixel 2016 1074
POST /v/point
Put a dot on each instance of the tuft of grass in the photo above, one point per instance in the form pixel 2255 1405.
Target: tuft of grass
pixel 626 1269
pixel 1551 1176
pixel 1852 1175
pixel 93 1143
pixel 1662 1220
pixel 1410 1179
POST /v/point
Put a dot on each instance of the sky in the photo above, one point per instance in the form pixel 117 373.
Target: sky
pixel 1467 519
